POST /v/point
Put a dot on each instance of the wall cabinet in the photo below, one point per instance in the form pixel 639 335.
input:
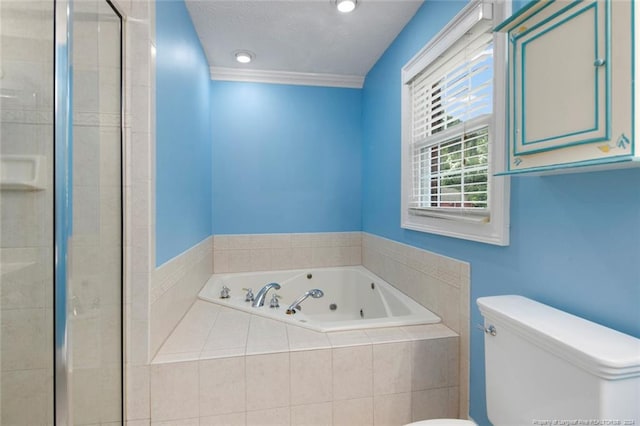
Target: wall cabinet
pixel 571 91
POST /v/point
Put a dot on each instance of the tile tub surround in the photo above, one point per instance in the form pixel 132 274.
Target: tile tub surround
pixel 174 287
pixel 268 252
pixel 222 366
pixel 439 283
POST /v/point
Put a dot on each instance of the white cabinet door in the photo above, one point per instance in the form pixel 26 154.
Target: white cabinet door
pixel 560 78
pixel 572 86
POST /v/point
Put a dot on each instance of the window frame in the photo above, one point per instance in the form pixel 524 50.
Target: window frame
pixel 476 14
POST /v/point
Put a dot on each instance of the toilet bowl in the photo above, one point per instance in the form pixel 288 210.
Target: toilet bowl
pixel 443 422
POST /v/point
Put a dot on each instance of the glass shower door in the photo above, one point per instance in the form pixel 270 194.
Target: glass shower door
pixel 94 297
pixel 60 213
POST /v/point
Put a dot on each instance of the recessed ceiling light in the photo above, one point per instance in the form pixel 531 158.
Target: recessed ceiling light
pixel 346 6
pixel 244 56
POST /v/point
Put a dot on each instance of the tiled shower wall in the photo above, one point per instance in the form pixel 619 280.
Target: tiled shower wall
pixel 439 283
pixel 26 231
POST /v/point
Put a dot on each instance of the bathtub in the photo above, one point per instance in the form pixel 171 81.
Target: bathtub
pixel 354 298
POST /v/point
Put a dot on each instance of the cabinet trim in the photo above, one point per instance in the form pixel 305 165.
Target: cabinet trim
pixel 607 89
pixel 605 163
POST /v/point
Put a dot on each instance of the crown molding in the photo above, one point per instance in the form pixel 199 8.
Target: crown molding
pixel 286 77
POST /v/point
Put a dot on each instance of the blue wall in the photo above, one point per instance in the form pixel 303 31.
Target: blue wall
pixel 183 147
pixel 285 158
pixel 575 239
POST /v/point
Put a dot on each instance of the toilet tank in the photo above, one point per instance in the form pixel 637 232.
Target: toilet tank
pixel 545 366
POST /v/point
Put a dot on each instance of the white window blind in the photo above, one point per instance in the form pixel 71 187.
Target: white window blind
pixel 451 107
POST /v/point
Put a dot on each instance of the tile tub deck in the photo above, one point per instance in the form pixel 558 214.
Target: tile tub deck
pixel 223 366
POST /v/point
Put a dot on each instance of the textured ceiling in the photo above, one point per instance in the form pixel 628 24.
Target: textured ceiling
pixel 308 36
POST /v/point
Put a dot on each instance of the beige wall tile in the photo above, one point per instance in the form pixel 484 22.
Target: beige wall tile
pixel 141 422
pixel 260 241
pixel 270 417
pixel 302 257
pixel 353 412
pixel 221 261
pixel 439 283
pixel 324 256
pixel 430 364
pixel 165 315
pixel 433 404
pixel 240 260
pixel 454 403
pixel 221 242
pixel 392 410
pixel 191 333
pixel 281 240
pixel 392 368
pixel 282 258
pixel 239 242
pixel 340 339
pixel 26 288
pixel 266 336
pixel 311 377
pixel 301 240
pixel 261 258
pixel 267 381
pixel 177 422
pixel 431 331
pixel 234 419
pixel 137 383
pixel 386 335
pixel 26 339
pixel 27 397
pixel 239 253
pixel 174 391
pixel 163 358
pixel 175 286
pixel 222 386
pixel 312 414
pixel 352 372
pixel 305 339
pixel 449 298
pixel 229 331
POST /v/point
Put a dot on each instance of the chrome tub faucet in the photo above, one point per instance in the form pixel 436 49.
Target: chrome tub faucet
pixel 258 301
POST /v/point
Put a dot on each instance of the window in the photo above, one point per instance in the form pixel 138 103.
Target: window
pixel 453 131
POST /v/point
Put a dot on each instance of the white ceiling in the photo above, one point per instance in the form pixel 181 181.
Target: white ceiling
pixel 302 36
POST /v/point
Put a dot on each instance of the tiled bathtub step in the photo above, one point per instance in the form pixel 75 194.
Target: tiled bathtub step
pixel 209 331
pixel 393 382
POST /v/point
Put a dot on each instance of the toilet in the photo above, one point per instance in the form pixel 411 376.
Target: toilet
pixel 543 366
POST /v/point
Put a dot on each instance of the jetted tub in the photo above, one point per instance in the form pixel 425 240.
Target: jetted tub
pixel 354 298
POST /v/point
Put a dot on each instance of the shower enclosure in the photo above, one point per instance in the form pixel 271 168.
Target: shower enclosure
pixel 61 207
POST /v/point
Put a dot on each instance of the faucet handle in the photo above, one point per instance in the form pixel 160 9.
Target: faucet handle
pixel 274 303
pixel 249 296
pixel 224 293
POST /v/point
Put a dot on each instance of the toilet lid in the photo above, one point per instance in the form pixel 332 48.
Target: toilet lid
pixel 443 422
